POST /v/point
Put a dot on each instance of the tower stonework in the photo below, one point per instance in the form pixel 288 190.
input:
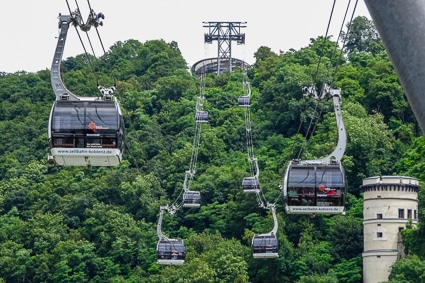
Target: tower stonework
pixel 389 203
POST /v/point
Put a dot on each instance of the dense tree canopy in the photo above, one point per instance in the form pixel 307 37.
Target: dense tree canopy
pixel 70 224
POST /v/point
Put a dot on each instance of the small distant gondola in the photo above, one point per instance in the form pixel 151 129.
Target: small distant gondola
pixel 318 186
pixel 250 185
pixel 171 252
pixel 244 101
pixel 191 199
pixel 201 117
pixel 265 246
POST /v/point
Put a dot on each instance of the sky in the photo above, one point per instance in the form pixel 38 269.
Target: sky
pixel 29 29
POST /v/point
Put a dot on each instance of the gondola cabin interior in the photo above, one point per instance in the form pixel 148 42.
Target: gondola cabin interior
pixel 86 133
pixel 314 189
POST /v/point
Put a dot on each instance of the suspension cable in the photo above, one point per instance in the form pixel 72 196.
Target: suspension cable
pixel 313 121
pixel 324 41
pixel 201 117
pixel 345 38
pixel 252 160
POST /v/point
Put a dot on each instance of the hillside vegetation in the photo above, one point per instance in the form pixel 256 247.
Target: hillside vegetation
pixel 73 224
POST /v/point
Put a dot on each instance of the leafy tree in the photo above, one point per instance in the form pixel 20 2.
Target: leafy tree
pixel 362 37
pixel 409 269
pixel 346 236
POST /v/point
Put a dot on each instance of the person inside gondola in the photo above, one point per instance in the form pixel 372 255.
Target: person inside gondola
pixel 293 197
pixel 311 196
pixel 174 254
pixel 332 196
pixel 304 198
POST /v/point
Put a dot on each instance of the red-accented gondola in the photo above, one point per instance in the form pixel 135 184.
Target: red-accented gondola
pixel 86 133
pixel 192 199
pixel 83 131
pixel 318 186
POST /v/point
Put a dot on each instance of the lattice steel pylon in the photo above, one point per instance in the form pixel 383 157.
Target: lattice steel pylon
pixel 224 33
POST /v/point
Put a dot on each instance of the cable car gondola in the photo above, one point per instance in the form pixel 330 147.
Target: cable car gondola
pixel 266 245
pixel 250 185
pixel 86 133
pixel 201 117
pixel 244 101
pixel 169 251
pixel 83 131
pixel 191 199
pixel 318 186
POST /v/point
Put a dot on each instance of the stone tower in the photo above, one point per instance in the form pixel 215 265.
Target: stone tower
pixel 389 203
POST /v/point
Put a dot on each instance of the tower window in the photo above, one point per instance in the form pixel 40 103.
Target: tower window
pixel 409 214
pixel 400 213
pixel 379 215
pixel 379 234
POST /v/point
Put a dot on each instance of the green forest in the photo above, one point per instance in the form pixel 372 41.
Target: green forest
pixel 99 224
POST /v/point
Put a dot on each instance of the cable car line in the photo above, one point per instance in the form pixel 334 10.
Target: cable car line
pixel 297 186
pixel 313 121
pixel 172 251
pixel 345 38
pixel 262 245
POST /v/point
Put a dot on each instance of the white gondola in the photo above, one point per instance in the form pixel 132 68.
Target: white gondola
pixel 318 186
pixel 83 131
